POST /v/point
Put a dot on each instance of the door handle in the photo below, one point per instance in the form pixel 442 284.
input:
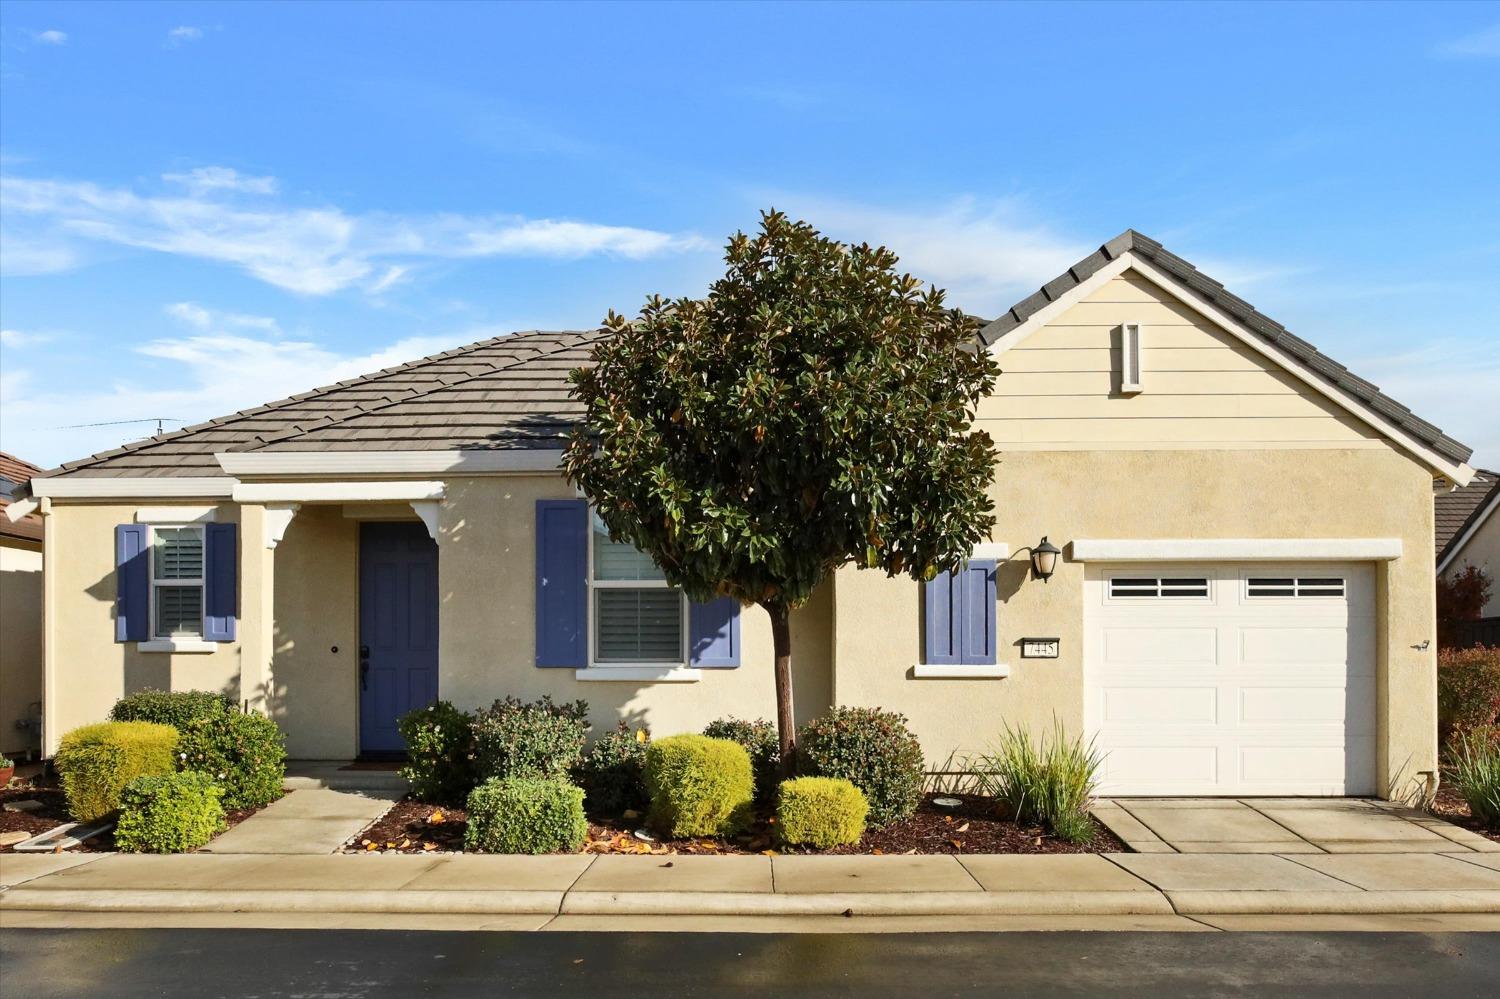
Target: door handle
pixel 364 667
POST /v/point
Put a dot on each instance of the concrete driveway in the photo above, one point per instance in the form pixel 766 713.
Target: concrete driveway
pixel 1282 825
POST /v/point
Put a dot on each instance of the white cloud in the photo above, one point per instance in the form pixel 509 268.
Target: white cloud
pixel 183 33
pixel 52 37
pixel 223 362
pixel 1446 382
pixel 312 251
pixel 22 255
pixel 15 339
pixel 1482 44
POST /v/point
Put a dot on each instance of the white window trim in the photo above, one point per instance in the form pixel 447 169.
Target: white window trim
pixel 1131 357
pixel 177 645
pixel 642 671
pixel 174 643
pixel 997 671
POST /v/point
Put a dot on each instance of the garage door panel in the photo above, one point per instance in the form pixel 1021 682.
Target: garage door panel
pixel 1303 705
pixel 1326 765
pixel 1151 646
pixel 1155 704
pixel 1172 765
pixel 1273 645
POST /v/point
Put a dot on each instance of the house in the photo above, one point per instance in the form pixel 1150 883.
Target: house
pixel 1243 603
pixel 20 616
pixel 1468 531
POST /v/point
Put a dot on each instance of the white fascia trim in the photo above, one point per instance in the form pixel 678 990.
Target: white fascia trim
pixel 1041 317
pixel 1463 539
pixel 134 487
pixel 995 672
pixel 639 674
pixel 182 645
pixel 332 464
pixel 1238 550
pixel 16 509
pixel 336 492
pixel 176 514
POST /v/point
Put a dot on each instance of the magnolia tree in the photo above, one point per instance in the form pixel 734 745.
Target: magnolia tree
pixel 815 409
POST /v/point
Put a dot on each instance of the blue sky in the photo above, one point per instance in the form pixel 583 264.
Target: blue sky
pixel 206 207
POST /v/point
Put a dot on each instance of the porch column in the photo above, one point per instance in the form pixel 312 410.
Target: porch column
pixel 257 616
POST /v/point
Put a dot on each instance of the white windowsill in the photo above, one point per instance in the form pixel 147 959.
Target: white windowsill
pixel 177 645
pixel 665 673
pixel 996 672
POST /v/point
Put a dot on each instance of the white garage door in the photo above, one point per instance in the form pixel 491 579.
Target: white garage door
pixel 1232 678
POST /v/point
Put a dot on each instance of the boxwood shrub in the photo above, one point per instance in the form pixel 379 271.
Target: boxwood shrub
pixel 243 753
pixel 699 786
pixel 96 761
pixel 1468 690
pixel 820 811
pixel 525 815
pixel 874 750
pixel 541 739
pixel 169 813
pixel 171 707
pixel 761 741
pixel 440 752
pixel 614 776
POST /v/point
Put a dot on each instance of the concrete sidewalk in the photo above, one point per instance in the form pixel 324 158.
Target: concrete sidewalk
pixel 536 889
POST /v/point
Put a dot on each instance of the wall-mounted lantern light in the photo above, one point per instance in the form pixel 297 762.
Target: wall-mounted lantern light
pixel 1044 559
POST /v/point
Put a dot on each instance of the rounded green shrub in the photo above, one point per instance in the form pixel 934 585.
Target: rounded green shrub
pixel 440 752
pixel 243 753
pixel 96 761
pixel 525 815
pixel 614 771
pixel 170 707
pixel 1468 690
pixel 699 786
pixel 762 742
pixel 541 739
pixel 169 813
pixel 874 750
pixel 820 811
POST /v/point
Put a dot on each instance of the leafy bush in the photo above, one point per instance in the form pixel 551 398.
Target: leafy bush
pixel 1049 782
pixel 762 743
pixel 542 739
pixel 525 815
pixel 169 813
pixel 1475 769
pixel 614 773
pixel 874 750
pixel 699 786
pixel 97 761
pixel 243 753
pixel 170 707
pixel 1468 690
pixel 440 752
pixel 821 812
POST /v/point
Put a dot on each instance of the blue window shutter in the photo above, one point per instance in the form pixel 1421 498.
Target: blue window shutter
pixel 942 632
pixel 562 587
pixel 714 634
pixel 132 583
pixel 978 617
pixel 220 581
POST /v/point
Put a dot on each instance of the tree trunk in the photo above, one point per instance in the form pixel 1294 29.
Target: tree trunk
pixel 781 642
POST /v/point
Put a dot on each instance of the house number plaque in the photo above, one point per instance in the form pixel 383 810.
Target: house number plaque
pixel 1039 648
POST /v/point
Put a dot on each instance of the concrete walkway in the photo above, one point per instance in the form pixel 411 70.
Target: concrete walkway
pixel 1283 826
pixel 314 820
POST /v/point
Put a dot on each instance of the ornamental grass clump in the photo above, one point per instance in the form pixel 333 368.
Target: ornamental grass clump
pixel 169 813
pixel 874 750
pixel 760 741
pixel 699 786
pixel 525 815
pixel 1474 767
pixel 540 739
pixel 244 753
pixel 171 707
pixel 1046 781
pixel 440 752
pixel 96 761
pixel 820 811
pixel 614 774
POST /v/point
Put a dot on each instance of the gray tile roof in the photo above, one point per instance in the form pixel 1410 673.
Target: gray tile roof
pixel 1206 288
pixel 512 392
pixel 1454 509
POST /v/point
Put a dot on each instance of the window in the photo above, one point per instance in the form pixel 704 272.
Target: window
pixel 638 617
pixel 1130 587
pixel 1130 358
pixel 177 582
pixel 1295 586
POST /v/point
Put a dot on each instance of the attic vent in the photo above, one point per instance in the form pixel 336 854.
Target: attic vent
pixel 1130 358
pixel 1299 586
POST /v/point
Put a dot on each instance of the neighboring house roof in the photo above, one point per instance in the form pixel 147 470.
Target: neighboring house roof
pixel 14 474
pixel 1457 513
pixel 512 392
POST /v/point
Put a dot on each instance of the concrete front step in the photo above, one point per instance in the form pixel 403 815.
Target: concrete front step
pixel 321 775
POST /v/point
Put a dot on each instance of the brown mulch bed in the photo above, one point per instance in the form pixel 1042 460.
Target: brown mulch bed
pixel 54 812
pixel 1451 806
pixel 416 827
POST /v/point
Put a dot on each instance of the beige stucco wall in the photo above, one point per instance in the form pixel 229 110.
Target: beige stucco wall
pixel 1483 552
pixel 20 639
pixel 1150 494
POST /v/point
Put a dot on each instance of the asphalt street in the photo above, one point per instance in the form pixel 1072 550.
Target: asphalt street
pixel 355 964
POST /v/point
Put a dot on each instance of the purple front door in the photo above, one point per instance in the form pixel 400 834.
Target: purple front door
pixel 398 630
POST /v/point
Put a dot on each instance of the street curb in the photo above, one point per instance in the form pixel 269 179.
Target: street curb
pixel 1306 903
pixel 152 900
pixel 1018 903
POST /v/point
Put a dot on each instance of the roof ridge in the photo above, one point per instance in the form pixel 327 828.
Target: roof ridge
pixel 1340 377
pixel 146 442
